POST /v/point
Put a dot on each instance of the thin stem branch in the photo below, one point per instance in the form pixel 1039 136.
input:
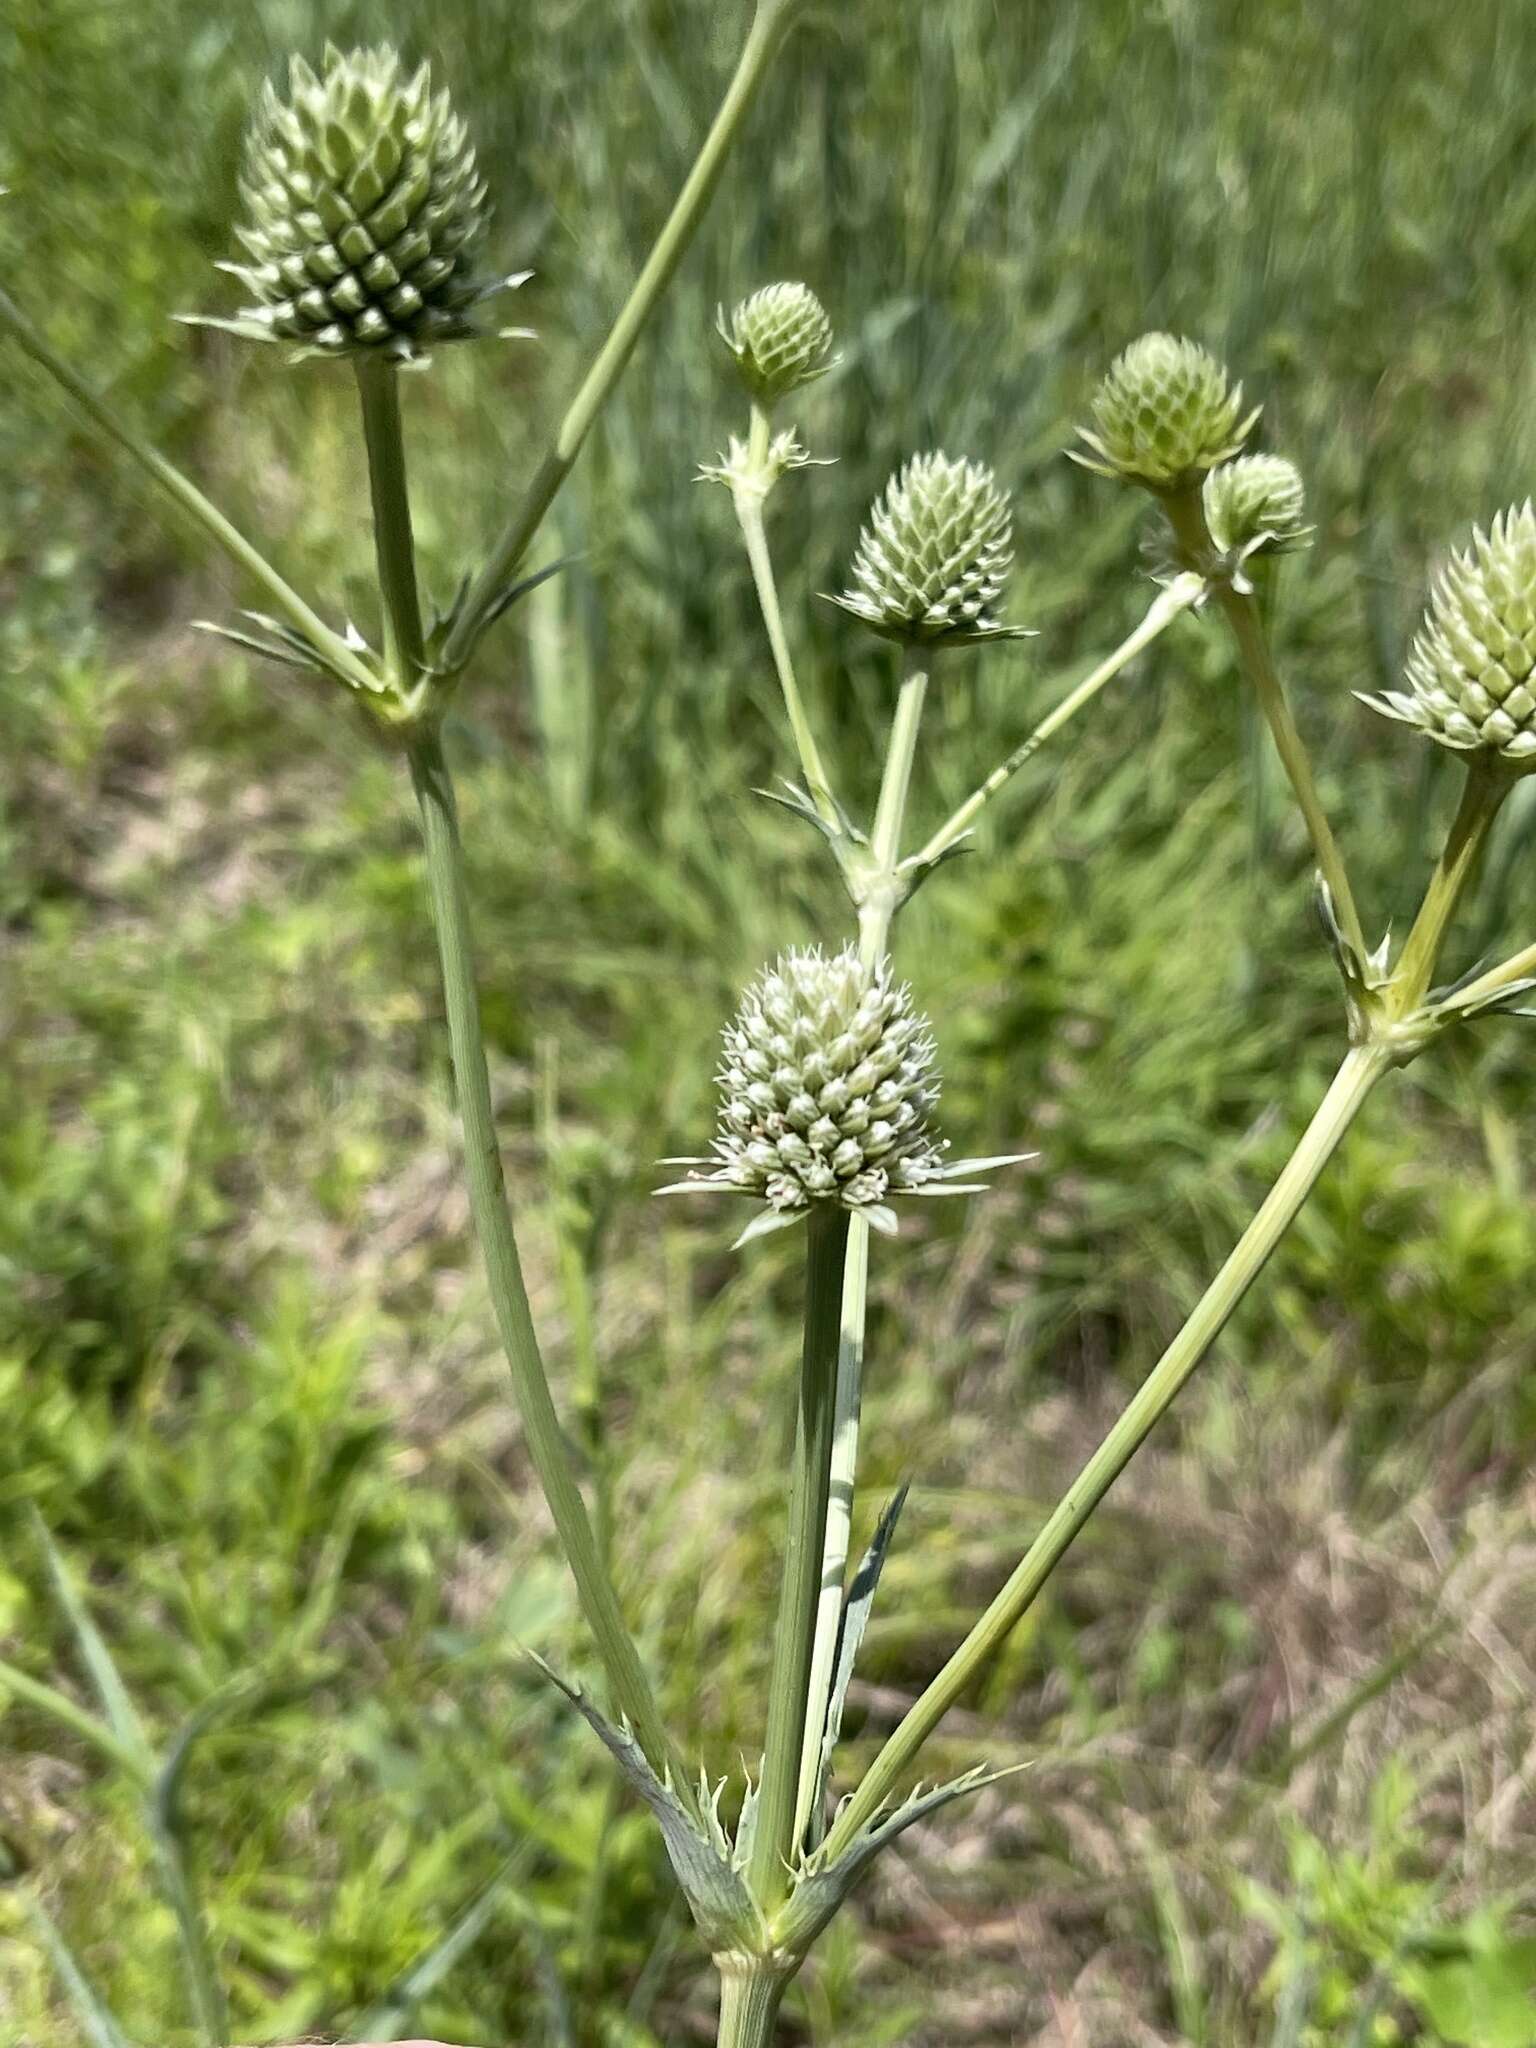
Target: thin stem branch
pixel 1516 968
pixel 1185 590
pixel 749 516
pixel 1362 1067
pixel 882 898
pixel 1187 518
pixel 1482 795
pixel 628 1684
pixel 242 552
pixel 769 23
pixel 773 1843
pixel 875 920
pixel 378 387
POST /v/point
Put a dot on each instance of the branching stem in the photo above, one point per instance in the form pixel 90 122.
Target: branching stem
pixel 1169 604
pixel 769 23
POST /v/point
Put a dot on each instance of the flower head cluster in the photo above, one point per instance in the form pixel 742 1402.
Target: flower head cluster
pixel 1165 413
pixel 1470 676
pixel 365 208
pixel 781 338
pixel 827 1088
pixel 1255 504
pixel 934 555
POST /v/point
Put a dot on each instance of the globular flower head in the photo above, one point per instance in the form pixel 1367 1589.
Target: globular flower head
pixel 1164 414
pixel 934 555
pixel 364 212
pixel 781 338
pixel 1470 676
pixel 827 1090
pixel 1255 504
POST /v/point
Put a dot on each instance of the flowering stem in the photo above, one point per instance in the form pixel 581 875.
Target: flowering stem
pixel 769 23
pixel 882 896
pixel 773 1844
pixel 394 544
pixel 630 1688
pixel 240 551
pixel 628 1684
pixel 1482 795
pixel 1362 1068
pixel 1185 590
pixel 875 917
pixel 748 496
pixel 1186 516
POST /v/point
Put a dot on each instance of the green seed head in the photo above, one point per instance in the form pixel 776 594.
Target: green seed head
pixel 1469 672
pixel 1164 415
pixel 934 555
pixel 364 212
pixel 781 338
pixel 1254 504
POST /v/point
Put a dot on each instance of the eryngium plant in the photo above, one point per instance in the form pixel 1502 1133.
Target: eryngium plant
pixel 1470 681
pixel 365 210
pixel 827 1080
pixel 1164 415
pixel 933 558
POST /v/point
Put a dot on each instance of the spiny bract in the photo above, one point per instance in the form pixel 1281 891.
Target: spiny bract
pixel 1257 503
pixel 827 1084
pixel 1164 414
pixel 365 207
pixel 781 338
pixel 1469 672
pixel 934 554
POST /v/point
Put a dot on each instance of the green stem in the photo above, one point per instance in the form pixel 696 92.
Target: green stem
pixel 751 1992
pixel 842 1482
pixel 769 23
pixel 630 1688
pixel 1362 1067
pixel 379 390
pixel 875 917
pixel 628 1683
pixel 882 896
pixel 203 1987
pixel 1187 518
pixel 1184 591
pixel 749 516
pixel 773 1845
pixel 1482 794
pixel 241 552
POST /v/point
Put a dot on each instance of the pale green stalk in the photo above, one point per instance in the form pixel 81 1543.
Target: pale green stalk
pixel 240 551
pixel 1482 795
pixel 1363 1066
pixel 1516 968
pixel 875 916
pixel 769 23
pixel 749 496
pixel 773 1842
pixel 1186 515
pixel 630 1688
pixel 1185 590
pixel 751 1992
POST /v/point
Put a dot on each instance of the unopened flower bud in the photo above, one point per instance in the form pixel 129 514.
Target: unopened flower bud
pixel 781 338
pixel 1256 504
pixel 934 555
pixel 1469 672
pixel 1164 415
pixel 365 209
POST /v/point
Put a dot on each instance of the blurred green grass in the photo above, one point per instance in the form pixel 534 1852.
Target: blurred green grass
pixel 252 1384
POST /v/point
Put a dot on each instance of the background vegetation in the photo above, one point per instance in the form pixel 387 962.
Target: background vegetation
pixel 1281 1697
